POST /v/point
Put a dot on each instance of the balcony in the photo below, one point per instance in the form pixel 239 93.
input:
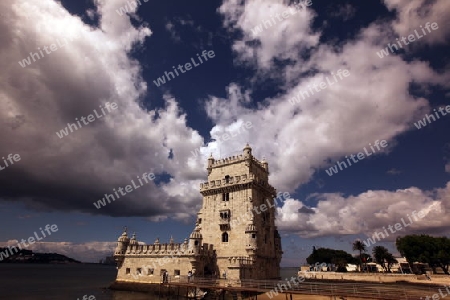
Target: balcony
pixel 224 222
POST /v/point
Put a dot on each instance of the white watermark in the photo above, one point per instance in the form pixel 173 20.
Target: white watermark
pixel 31 240
pixel 359 156
pixel 86 297
pixel 53 47
pixel 280 286
pixel 393 229
pixel 11 158
pixel 161 80
pixel 411 38
pixel 245 217
pixel 315 88
pixel 123 10
pixel 90 118
pixel 128 189
pixel 440 295
pixel 423 122
pixel 281 17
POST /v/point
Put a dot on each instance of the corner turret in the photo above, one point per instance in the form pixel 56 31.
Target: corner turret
pixel 210 163
pixel 265 164
pixel 133 240
pixel 247 151
pixel 122 244
pixel 251 232
pixel 195 240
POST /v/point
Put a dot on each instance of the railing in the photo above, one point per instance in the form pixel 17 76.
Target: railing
pixel 367 290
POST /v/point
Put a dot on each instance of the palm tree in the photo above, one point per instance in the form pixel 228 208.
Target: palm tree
pixel 390 260
pixel 359 246
pixel 380 254
pixel 383 257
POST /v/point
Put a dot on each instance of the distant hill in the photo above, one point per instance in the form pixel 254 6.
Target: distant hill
pixel 109 260
pixel 27 256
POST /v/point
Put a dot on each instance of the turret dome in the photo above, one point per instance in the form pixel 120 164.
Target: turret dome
pixel 196 233
pixel 133 240
pixel 124 237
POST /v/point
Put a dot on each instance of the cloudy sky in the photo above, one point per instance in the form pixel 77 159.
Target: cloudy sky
pixel 60 61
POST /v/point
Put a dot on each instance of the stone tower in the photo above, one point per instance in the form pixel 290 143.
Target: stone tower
pixel 238 217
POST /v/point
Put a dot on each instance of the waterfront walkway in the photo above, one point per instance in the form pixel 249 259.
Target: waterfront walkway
pixel 335 290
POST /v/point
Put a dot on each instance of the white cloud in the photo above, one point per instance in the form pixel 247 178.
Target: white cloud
pixel 84 252
pixel 276 41
pixel 95 67
pixel 322 127
pixel 368 212
pixel 411 14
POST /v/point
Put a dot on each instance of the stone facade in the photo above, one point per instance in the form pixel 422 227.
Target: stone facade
pixel 235 234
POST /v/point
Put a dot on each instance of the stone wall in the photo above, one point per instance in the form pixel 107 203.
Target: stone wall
pixel 376 277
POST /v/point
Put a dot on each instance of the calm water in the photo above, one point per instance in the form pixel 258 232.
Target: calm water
pixel 35 282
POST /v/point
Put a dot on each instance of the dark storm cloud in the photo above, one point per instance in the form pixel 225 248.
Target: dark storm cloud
pixel 40 99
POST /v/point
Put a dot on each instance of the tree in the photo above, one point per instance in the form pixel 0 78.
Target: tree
pixel 359 246
pixel 339 258
pixel 382 257
pixel 390 261
pixel 425 249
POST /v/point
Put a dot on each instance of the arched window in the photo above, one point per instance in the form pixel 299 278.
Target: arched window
pixel 224 237
pixel 227 179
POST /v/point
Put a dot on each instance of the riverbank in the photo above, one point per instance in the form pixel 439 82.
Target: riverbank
pixel 378 278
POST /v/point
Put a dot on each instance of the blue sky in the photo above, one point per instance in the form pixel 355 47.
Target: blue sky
pixel 102 54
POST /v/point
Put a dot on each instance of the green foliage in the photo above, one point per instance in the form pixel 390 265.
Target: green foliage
pixel 425 249
pixel 325 255
pixel 382 257
pixel 359 246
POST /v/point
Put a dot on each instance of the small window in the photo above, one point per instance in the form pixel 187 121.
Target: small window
pixel 225 196
pixel 150 271
pixel 138 271
pixel 227 179
pixel 196 243
pixel 224 237
pixel 127 271
pixel 176 273
pixel 225 214
pixel 253 235
pixel 199 220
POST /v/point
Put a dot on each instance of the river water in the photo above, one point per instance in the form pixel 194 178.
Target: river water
pixel 36 282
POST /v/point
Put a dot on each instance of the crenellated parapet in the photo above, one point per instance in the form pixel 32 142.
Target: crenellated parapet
pixel 167 249
pixel 162 249
pixel 235 183
pixel 240 261
pixel 213 184
pixel 218 163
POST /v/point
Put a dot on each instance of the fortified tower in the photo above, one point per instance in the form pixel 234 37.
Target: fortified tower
pixel 238 217
pixel 234 237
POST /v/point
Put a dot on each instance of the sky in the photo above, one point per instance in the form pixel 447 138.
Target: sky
pixel 319 84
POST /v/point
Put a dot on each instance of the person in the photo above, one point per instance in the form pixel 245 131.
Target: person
pixel 189 276
pixel 165 277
